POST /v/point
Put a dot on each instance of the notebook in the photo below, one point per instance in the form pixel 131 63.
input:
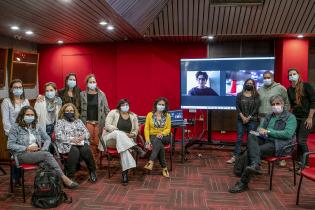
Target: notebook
pixel 177 116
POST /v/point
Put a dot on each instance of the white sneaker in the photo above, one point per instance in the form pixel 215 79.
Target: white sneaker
pixel 232 160
pixel 282 163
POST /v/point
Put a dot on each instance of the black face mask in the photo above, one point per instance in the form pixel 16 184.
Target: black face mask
pixel 248 87
pixel 69 116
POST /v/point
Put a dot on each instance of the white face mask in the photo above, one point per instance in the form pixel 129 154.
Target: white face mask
pixel 267 82
pixel 294 78
pixel 160 108
pixel 92 86
pixel 124 108
pixel 277 109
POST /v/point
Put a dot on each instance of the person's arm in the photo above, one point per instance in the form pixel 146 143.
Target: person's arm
pixel 5 110
pixel 135 123
pixel 284 94
pixel 59 132
pixel 109 121
pixel 238 104
pixel 166 131
pixel 106 107
pixel 256 106
pixel 147 127
pixel 84 130
pixel 12 139
pixel 287 132
pixel 310 92
pixel 45 138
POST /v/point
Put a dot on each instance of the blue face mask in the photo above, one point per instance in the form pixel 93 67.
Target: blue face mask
pixel 294 78
pixel 50 94
pixel 71 83
pixel 28 119
pixel 17 92
pixel 160 108
pixel 92 86
pixel 124 108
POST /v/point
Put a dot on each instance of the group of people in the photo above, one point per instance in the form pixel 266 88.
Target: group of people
pixel 279 116
pixel 72 122
pixel 80 124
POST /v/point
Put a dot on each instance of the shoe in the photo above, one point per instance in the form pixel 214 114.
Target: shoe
pixel 238 187
pixel 149 165
pixel 165 172
pixel 73 185
pixel 253 169
pixel 282 163
pixel 125 177
pixel 139 150
pixel 17 183
pixel 232 160
pixel 93 177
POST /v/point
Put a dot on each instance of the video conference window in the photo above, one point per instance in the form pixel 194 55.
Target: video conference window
pixel 214 83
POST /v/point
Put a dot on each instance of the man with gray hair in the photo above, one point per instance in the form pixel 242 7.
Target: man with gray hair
pixel 275 132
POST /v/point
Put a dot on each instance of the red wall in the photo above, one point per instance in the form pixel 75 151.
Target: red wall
pixel 138 71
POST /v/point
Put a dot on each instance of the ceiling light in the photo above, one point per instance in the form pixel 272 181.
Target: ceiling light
pixel 15 28
pixel 210 37
pixel 60 42
pixel 29 32
pixel 103 23
pixel 110 27
pixel 300 36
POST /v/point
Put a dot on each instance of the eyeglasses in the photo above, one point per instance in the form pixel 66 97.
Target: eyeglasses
pixel 201 78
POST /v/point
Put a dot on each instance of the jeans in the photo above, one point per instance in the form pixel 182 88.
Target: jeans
pixel 251 125
pixel 302 135
pixel 158 150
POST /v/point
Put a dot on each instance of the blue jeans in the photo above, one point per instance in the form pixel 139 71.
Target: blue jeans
pixel 251 125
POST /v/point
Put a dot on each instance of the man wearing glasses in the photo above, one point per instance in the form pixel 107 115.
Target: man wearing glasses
pixel 202 89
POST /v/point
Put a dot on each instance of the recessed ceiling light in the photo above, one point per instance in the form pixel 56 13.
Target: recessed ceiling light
pixel 15 28
pixel 210 37
pixel 103 23
pixel 60 42
pixel 110 27
pixel 300 36
pixel 29 32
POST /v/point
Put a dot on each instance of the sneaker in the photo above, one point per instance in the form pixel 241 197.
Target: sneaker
pixel 232 160
pixel 282 163
pixel 149 165
pixel 254 169
pixel 238 187
pixel 165 173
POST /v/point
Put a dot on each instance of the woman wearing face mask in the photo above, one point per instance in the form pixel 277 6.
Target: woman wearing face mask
pixel 302 99
pixel 71 92
pixel 10 109
pixel 72 139
pixel 29 143
pixel 48 109
pixel 94 108
pixel 120 132
pixel 157 133
pixel 247 105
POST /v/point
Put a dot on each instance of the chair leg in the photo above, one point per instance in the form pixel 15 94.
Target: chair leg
pixel 100 163
pixel 171 160
pixel 108 165
pixel 3 171
pixel 268 168
pixel 11 178
pixel 271 175
pixel 298 191
pixel 294 174
pixel 23 186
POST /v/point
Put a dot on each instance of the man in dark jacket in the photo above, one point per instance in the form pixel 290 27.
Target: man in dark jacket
pixel 274 133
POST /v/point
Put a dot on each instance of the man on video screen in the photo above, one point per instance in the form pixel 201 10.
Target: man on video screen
pixel 202 89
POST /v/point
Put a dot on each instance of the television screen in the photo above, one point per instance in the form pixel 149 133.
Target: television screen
pixel 214 83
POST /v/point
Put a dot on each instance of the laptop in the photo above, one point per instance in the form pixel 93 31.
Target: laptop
pixel 177 117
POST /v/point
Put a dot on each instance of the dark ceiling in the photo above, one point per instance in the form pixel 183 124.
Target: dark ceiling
pixel 77 21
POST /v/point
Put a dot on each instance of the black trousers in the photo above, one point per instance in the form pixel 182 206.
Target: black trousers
pixel 302 135
pixel 75 155
pixel 158 150
pixel 257 148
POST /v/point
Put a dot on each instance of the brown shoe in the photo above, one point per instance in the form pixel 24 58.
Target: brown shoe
pixel 149 165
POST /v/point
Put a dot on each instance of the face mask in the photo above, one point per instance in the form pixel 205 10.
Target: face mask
pixel 92 86
pixel 277 109
pixel 267 82
pixel 50 94
pixel 17 91
pixel 28 119
pixel 69 116
pixel 294 78
pixel 160 108
pixel 71 83
pixel 124 108
pixel 248 87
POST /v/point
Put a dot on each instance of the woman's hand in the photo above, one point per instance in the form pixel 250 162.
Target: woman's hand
pixel 148 146
pixel 263 132
pixel 40 98
pixel 308 123
pixel 159 135
pixel 32 149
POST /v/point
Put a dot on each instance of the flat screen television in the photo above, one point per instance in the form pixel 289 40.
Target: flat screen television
pixel 214 83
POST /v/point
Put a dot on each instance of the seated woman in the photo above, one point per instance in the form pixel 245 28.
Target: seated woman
pixel 72 139
pixel 157 133
pixel 28 143
pixel 121 129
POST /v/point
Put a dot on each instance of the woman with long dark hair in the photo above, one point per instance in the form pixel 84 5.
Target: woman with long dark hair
pixel 247 106
pixel 302 99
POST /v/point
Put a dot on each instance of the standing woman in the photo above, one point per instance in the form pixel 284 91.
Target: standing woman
pixel 157 133
pixel 10 109
pixel 94 108
pixel 247 106
pixel 71 93
pixel 48 109
pixel 302 99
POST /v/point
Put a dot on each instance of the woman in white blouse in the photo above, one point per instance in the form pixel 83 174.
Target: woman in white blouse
pixel 72 138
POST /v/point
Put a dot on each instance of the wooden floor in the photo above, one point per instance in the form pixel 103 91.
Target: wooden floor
pixel 200 183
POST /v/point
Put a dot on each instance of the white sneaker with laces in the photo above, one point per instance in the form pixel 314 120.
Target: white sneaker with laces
pixel 282 163
pixel 232 160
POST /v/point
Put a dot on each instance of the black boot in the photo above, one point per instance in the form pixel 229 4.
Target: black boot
pixel 139 150
pixel 125 177
pixel 93 177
